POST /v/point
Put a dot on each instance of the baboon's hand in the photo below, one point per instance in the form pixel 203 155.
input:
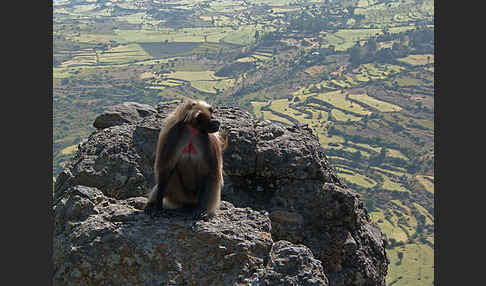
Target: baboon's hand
pixel 213 126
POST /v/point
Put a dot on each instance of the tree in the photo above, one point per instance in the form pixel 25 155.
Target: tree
pixel 385 31
pixel 358 18
pixel 370 205
pixel 399 50
pixel 356 55
pixel 404 39
pixel 400 256
pixel 351 10
pixel 372 46
pixel 379 158
pixel 419 105
pixel 257 36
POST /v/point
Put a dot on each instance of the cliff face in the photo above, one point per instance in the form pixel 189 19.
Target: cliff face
pixel 285 219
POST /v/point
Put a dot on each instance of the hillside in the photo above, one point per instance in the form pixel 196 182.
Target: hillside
pixel 359 73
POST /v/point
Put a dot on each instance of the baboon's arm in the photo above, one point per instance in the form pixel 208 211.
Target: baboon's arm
pixel 168 154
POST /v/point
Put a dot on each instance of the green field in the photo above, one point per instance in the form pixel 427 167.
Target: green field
pixel 375 103
pixel 357 179
pixel 69 150
pixel 194 75
pixel 60 73
pixel 123 54
pixel 374 71
pixel 418 60
pixel 368 147
pixel 338 99
pixel 396 154
pixel 212 86
pixel 257 106
pixel 268 115
pixel 388 172
pixel 390 185
pixel 246 59
pixel 162 50
pixel 388 222
pixel 429 219
pixel 415 268
pixel 346 38
pixel 244 35
pixel 195 35
pixel 426 183
pixel 411 263
pixel 341 116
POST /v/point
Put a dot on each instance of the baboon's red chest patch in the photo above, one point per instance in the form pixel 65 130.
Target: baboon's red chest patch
pixel 189 148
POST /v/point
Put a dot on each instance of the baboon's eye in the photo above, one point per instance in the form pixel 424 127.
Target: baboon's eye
pixel 199 117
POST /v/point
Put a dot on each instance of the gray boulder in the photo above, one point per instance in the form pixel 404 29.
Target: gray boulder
pixel 290 264
pixel 126 112
pixel 284 212
pixel 104 241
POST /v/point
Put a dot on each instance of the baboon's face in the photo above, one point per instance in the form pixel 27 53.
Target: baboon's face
pixel 204 120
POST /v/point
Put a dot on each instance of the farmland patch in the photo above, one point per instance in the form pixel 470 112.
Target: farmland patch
pixel 212 86
pixel 339 100
pixel 418 60
pixel 194 75
pixel 411 264
pixel 357 179
pixel 381 106
pixel 160 50
pixel 123 54
pixel 426 183
pixel 69 150
pixel 393 186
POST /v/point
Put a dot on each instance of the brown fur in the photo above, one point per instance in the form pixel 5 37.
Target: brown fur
pixel 183 185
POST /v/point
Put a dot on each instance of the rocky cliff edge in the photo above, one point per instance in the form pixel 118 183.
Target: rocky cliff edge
pixel 285 218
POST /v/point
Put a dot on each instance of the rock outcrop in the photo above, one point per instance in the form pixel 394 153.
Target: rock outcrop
pixel 285 218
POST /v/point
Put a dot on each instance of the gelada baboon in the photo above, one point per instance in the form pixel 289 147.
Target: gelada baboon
pixel 189 161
